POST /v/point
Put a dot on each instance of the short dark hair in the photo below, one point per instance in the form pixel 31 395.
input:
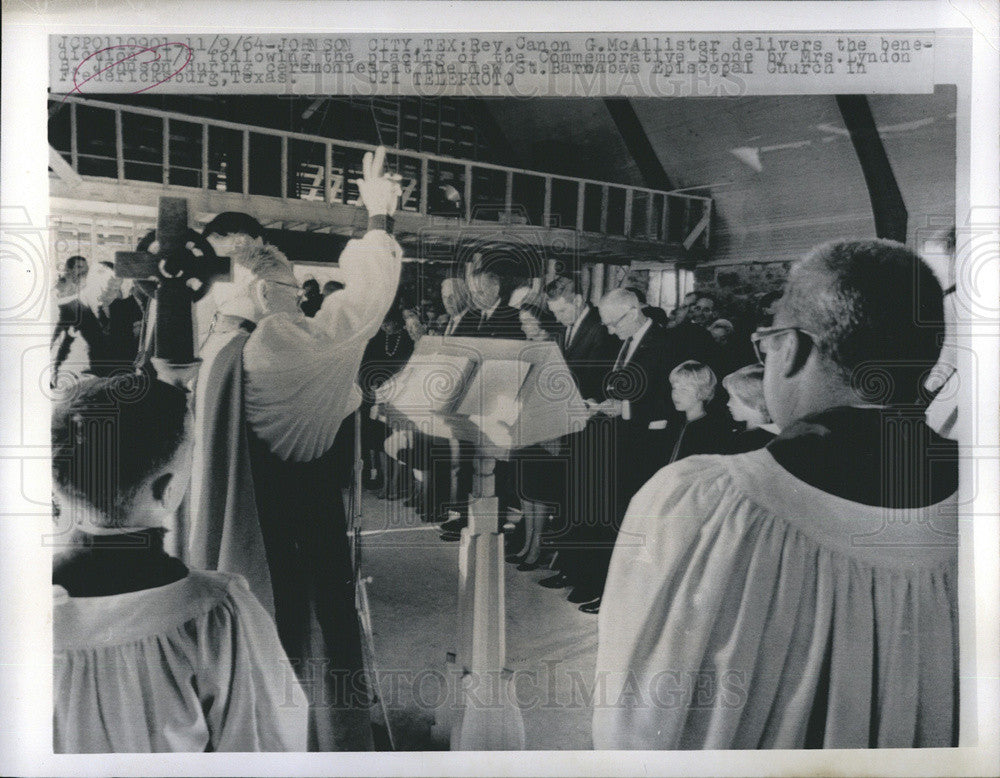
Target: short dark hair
pixel 311 283
pixel 640 294
pixel 534 310
pixel 111 435
pixel 332 286
pixel 74 260
pixel 564 287
pixel 769 297
pixel 233 222
pixel 480 270
pixel 876 310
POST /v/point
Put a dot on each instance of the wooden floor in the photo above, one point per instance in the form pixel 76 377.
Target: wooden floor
pixel 413 596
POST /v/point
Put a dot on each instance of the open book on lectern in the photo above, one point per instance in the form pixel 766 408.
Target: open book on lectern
pixel 502 393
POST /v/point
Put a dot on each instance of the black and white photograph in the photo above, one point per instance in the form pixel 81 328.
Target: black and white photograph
pixel 446 396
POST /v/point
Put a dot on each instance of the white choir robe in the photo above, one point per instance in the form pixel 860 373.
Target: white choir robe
pixel 294 381
pixel 192 666
pixel 747 609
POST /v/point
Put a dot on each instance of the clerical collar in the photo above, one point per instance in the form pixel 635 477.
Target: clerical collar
pixel 873 456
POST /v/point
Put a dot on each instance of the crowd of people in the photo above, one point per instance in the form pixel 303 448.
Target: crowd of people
pixel 669 385
pixel 713 510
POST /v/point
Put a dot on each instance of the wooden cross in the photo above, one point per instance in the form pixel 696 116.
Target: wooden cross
pixel 171 268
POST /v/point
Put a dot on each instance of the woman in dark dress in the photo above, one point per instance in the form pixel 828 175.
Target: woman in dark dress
pixel 541 474
pixel 385 356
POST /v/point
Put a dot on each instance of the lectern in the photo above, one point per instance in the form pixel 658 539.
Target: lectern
pixel 498 396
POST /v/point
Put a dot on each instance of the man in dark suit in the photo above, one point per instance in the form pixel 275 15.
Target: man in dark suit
pixel 691 330
pixel 455 297
pixel 587 345
pixel 638 399
pixel 107 323
pixel 589 350
pixel 491 318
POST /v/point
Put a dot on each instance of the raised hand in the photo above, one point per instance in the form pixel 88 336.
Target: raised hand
pixel 379 191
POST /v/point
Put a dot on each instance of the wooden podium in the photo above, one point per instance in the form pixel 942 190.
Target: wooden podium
pixel 499 396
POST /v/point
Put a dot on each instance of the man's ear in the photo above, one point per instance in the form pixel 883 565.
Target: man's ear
pixel 258 292
pixel 796 353
pixel 161 487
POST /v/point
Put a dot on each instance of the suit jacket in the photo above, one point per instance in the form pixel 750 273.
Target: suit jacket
pixel 591 355
pixel 695 342
pixel 644 381
pixel 466 325
pixel 112 342
pixel 504 323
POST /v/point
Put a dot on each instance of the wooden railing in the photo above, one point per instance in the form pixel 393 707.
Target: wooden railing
pixel 144 144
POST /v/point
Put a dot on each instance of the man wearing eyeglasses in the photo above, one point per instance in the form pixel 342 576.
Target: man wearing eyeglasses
pixel 273 390
pixel 638 392
pixel 802 595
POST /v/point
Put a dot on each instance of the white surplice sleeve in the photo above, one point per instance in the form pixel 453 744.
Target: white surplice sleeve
pixel 249 692
pixel 300 374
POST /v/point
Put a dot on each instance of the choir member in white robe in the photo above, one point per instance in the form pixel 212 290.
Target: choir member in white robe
pixel 150 656
pixel 801 595
pixel 272 393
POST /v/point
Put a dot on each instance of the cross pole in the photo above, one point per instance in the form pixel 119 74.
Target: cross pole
pixel 172 268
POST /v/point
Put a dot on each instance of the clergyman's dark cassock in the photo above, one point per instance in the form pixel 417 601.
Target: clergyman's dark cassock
pixel 269 403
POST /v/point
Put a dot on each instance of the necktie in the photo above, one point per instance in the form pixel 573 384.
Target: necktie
pixel 620 362
pixel 569 334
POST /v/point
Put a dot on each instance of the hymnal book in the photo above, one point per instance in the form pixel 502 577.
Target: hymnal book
pixel 428 382
pixel 494 386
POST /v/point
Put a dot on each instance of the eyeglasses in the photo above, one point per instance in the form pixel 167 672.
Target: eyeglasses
pixel 619 320
pixel 757 338
pixel 285 283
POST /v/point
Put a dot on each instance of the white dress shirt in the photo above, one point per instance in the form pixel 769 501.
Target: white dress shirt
pixel 575 326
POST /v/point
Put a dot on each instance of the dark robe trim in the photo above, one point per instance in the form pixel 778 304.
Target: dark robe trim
pixel 874 456
pixel 103 565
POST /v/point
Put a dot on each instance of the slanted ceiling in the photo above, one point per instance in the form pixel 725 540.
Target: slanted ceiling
pixel 782 170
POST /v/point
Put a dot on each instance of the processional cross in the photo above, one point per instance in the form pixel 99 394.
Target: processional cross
pixel 182 256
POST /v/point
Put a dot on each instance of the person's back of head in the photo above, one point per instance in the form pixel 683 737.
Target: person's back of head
pixel 874 312
pixel 722 330
pixel 234 223
pixel 746 395
pixel 235 235
pixel 120 453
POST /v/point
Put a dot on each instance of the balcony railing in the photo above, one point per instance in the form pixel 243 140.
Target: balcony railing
pixel 143 144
